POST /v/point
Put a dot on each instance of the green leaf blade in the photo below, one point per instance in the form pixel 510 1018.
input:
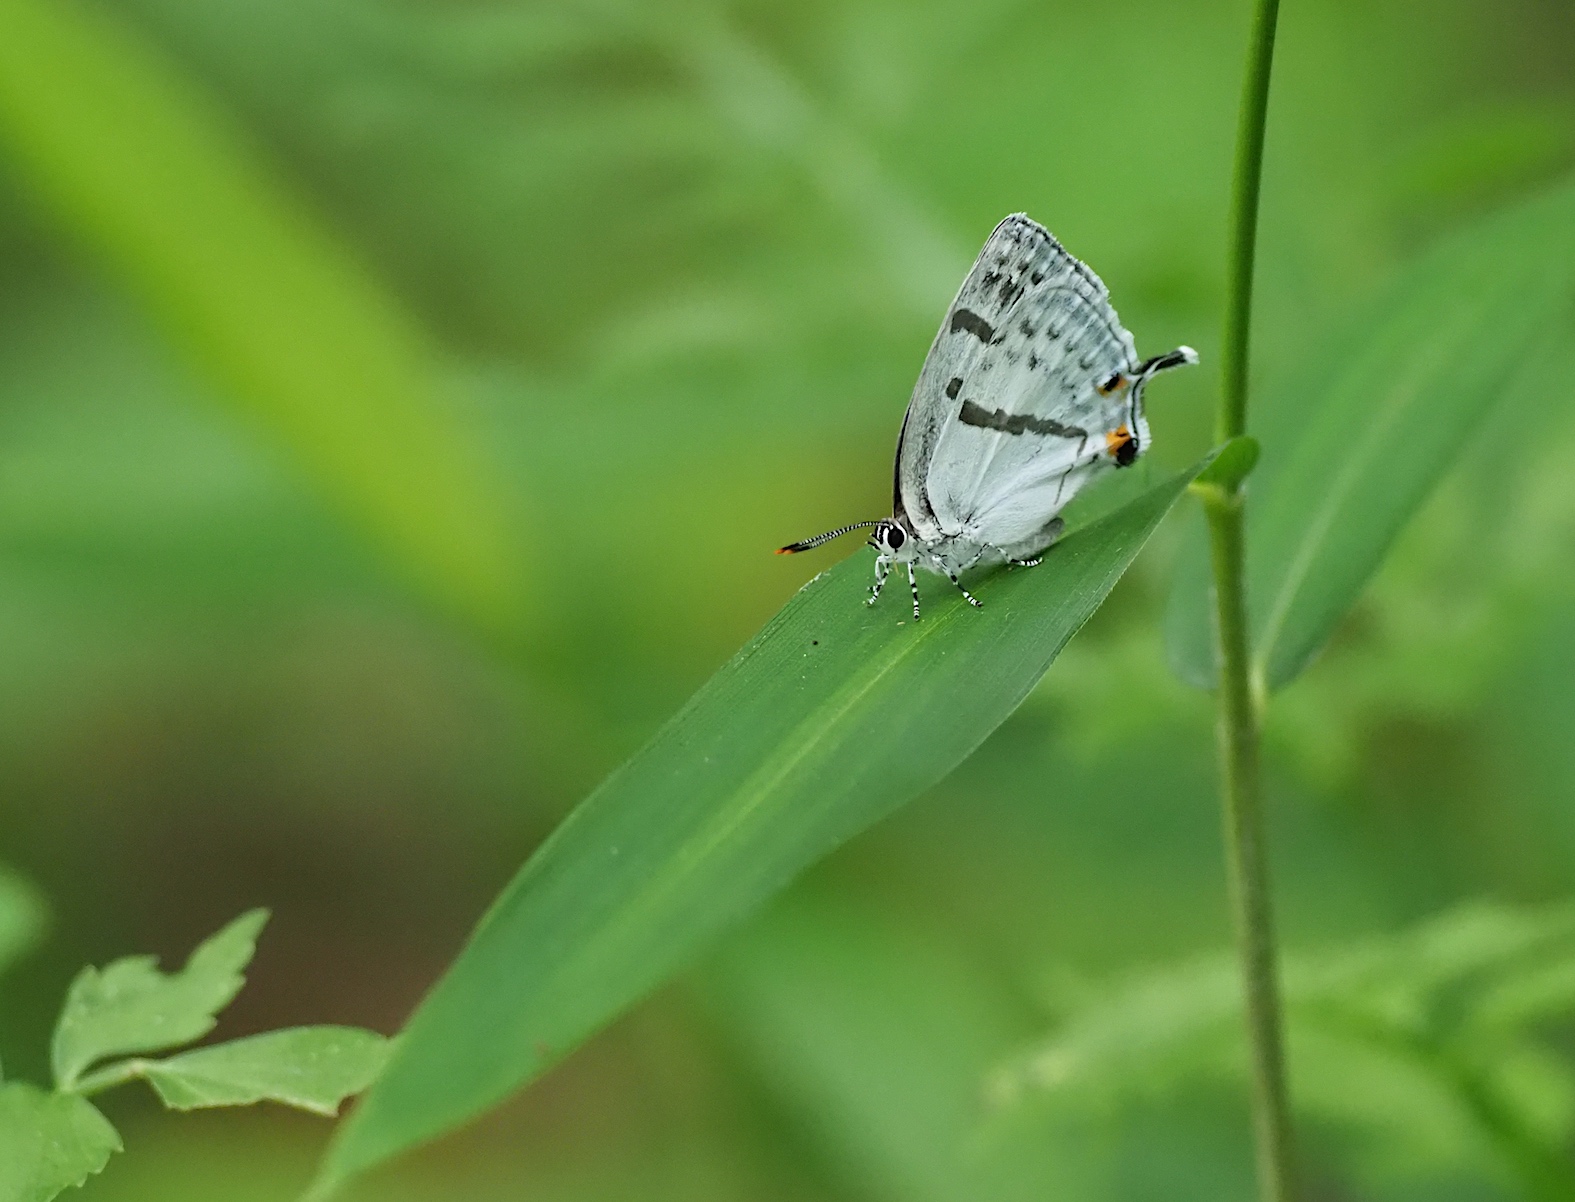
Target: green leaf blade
pixel 1353 452
pixel 49 1142
pixel 829 719
pixel 310 1068
pixel 130 1006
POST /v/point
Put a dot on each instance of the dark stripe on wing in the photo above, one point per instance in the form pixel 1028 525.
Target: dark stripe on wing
pixel 970 322
pixel 1015 423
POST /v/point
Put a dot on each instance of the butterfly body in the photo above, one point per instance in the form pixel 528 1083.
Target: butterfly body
pixel 1031 389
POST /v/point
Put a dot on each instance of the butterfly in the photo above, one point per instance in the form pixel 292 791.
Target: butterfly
pixel 1032 389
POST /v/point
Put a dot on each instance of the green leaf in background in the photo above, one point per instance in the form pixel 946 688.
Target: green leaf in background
pixel 312 1068
pixel 49 1142
pixel 1424 1042
pixel 130 158
pixel 834 715
pixel 1350 455
pixel 21 918
pixel 131 1006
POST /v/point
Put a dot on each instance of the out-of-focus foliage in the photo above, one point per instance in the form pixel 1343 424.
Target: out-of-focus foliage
pixel 1428 1048
pixel 124 154
pixel 678 265
pixel 1360 446
pixel 21 918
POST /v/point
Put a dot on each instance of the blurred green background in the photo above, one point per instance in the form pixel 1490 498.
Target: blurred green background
pixel 666 273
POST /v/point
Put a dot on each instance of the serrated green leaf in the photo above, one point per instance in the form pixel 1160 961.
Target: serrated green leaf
pixel 21 918
pixel 830 718
pixel 130 158
pixel 1352 451
pixel 49 1142
pixel 311 1068
pixel 131 1006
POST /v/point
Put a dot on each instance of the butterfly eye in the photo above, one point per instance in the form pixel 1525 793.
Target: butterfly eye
pixel 1113 383
pixel 894 537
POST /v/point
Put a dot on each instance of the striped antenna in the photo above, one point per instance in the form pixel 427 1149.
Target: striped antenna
pixel 809 543
pixel 1179 357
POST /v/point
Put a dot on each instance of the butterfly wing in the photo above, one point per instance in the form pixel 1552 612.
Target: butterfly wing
pixel 1008 420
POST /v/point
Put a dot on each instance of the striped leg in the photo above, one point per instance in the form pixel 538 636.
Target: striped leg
pixel 1050 533
pixel 913 586
pixel 882 570
pixel 952 576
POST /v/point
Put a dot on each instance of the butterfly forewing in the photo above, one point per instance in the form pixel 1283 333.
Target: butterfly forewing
pixel 1008 420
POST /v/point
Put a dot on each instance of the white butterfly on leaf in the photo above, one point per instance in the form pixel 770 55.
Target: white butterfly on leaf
pixel 1032 388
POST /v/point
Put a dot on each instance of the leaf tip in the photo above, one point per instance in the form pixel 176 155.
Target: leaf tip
pixel 1232 463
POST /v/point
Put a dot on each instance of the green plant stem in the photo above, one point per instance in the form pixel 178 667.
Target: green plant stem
pixel 108 1077
pixel 1239 693
pixel 1243 238
pixel 1245 852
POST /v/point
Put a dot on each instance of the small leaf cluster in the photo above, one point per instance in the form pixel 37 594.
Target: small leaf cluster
pixel 113 1017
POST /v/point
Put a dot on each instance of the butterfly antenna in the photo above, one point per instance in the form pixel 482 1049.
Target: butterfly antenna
pixel 811 543
pixel 1179 357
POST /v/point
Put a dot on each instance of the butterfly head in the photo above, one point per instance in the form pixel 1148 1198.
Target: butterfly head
pixel 890 538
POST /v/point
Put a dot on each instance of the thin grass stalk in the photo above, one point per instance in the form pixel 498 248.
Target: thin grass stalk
pixel 1239 692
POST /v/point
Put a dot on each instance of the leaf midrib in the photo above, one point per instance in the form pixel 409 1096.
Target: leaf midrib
pixel 803 738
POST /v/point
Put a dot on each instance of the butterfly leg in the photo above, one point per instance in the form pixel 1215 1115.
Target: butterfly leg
pixel 952 576
pixel 913 586
pixel 1049 534
pixel 882 570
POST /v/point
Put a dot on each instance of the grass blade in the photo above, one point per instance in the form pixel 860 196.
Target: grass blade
pixel 130 159
pixel 1352 454
pixel 834 715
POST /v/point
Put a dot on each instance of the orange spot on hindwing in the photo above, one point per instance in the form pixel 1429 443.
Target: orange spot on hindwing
pixel 1121 446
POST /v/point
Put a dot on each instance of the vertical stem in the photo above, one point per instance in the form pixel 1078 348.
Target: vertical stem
pixel 1245 852
pixel 1224 502
pixel 1243 237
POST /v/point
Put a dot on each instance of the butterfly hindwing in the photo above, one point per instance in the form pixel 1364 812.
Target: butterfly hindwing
pixel 1007 421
